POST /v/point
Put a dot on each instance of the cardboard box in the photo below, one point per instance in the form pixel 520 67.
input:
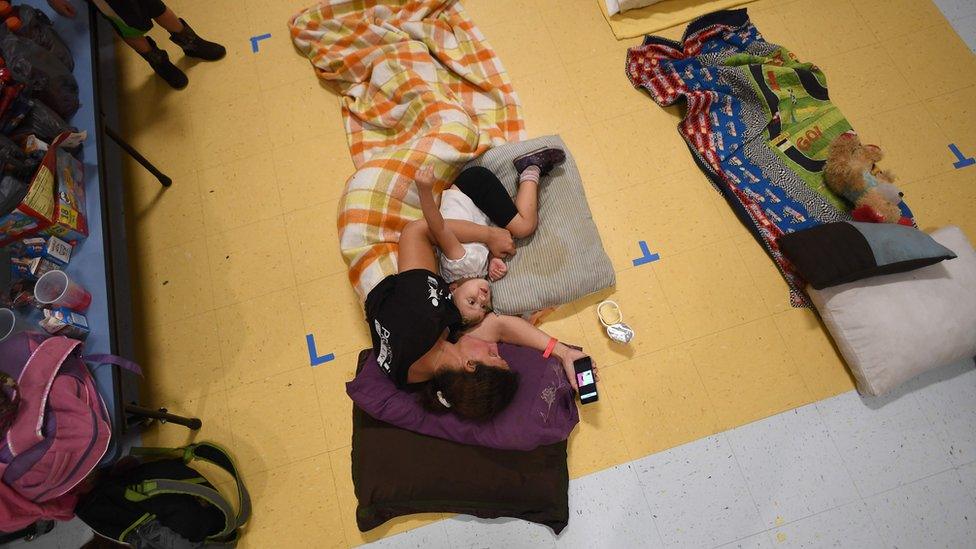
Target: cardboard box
pixel 55 200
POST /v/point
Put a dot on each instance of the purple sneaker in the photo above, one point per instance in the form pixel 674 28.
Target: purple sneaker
pixel 546 158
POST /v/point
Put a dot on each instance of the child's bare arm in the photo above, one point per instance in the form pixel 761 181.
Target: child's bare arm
pixel 444 237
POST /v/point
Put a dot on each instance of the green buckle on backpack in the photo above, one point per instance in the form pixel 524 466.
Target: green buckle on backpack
pixel 141 491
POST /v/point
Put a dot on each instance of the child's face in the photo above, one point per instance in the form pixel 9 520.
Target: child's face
pixel 473 299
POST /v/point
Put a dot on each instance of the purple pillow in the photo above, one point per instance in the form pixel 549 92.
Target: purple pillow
pixel 542 412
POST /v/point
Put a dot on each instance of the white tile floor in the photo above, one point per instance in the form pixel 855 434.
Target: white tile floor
pixel 844 472
pixel 848 471
pixel 962 15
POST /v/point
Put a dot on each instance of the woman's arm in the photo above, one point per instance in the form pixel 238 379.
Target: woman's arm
pixel 518 331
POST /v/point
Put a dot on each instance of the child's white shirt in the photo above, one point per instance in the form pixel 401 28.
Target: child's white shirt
pixel 474 264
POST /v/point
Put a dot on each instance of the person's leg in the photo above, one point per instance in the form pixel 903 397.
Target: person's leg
pixel 488 194
pixel 182 34
pixel 138 43
pixel 527 203
pixel 131 22
pixel 169 21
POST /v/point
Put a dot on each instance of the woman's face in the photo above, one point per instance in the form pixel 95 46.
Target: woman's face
pixel 474 350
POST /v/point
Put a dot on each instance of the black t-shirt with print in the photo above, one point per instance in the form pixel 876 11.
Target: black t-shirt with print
pixel 407 313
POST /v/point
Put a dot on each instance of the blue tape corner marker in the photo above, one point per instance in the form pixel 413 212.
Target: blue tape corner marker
pixel 962 160
pixel 646 256
pixel 256 39
pixel 313 355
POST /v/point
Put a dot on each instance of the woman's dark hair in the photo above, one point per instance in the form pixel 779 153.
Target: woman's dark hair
pixel 477 395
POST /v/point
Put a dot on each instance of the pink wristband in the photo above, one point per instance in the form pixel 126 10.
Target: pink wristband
pixel 552 345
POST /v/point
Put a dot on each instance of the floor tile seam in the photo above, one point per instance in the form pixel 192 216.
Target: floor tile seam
pixel 773 529
pixel 284 224
pixel 843 458
pixel 685 251
pixel 929 112
pixel 866 19
pixel 711 399
pixel 909 483
pixel 217 309
pixel 745 479
pixel 755 282
pixel 242 385
pixel 918 32
pixel 647 503
pixel 870 509
pixel 678 345
pixel 795 359
pixel 149 324
pixel 939 427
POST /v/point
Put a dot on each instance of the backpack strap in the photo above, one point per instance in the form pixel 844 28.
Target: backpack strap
pixel 35 385
pixel 124 363
pixel 212 453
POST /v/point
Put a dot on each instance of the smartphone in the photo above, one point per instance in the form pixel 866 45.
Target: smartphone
pixel 585 380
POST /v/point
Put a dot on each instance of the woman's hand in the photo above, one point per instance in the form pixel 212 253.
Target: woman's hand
pixel 63 7
pixel 425 177
pixel 567 355
pixel 500 242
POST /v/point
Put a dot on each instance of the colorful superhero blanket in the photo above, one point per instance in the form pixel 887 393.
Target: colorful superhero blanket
pixel 419 84
pixel 758 122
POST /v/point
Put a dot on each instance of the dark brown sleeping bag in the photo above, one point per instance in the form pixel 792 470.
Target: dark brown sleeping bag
pixel 397 472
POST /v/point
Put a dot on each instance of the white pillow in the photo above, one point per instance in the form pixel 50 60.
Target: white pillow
pixel 616 6
pixel 892 328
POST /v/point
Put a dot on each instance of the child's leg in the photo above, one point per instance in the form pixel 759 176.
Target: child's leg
pixel 183 35
pixel 527 203
pixel 138 43
pixel 169 21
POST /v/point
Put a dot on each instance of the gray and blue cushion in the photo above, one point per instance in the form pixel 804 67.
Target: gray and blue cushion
pixel 845 251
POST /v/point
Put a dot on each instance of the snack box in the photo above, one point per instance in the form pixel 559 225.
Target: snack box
pixel 53 249
pixel 55 200
pixel 65 322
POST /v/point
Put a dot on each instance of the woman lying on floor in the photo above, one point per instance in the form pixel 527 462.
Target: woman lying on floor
pixel 417 329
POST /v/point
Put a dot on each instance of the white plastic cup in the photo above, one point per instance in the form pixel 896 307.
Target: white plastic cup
pixel 11 324
pixel 57 289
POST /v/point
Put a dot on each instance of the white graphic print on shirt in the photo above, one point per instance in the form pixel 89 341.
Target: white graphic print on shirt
pixel 385 358
pixel 435 294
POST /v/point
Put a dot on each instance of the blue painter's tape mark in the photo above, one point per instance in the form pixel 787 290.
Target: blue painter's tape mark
pixel 313 355
pixel 646 255
pixel 962 160
pixel 256 39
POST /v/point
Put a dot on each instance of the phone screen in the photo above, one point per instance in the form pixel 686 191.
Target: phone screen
pixel 585 380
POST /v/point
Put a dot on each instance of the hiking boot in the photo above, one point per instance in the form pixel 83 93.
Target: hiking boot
pixel 159 60
pixel 194 46
pixel 545 158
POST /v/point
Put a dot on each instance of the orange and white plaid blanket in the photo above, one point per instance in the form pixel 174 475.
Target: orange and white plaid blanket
pixel 419 84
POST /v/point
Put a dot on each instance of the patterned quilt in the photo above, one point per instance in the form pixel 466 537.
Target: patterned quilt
pixel 419 84
pixel 758 123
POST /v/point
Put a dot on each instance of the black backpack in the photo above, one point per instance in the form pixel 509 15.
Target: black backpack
pixel 165 503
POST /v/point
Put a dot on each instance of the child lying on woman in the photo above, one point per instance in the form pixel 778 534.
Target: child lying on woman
pixel 464 266
pixel 414 318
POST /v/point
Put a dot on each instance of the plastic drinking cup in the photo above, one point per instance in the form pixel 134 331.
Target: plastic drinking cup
pixel 56 288
pixel 12 323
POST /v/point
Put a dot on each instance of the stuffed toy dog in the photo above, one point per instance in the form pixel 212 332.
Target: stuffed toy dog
pixel 852 172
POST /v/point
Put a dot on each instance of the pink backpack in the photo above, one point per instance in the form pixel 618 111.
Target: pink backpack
pixel 60 433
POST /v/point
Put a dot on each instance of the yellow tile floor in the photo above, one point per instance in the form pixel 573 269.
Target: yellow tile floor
pixel 239 260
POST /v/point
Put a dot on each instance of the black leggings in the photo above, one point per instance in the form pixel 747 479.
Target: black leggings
pixel 488 194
